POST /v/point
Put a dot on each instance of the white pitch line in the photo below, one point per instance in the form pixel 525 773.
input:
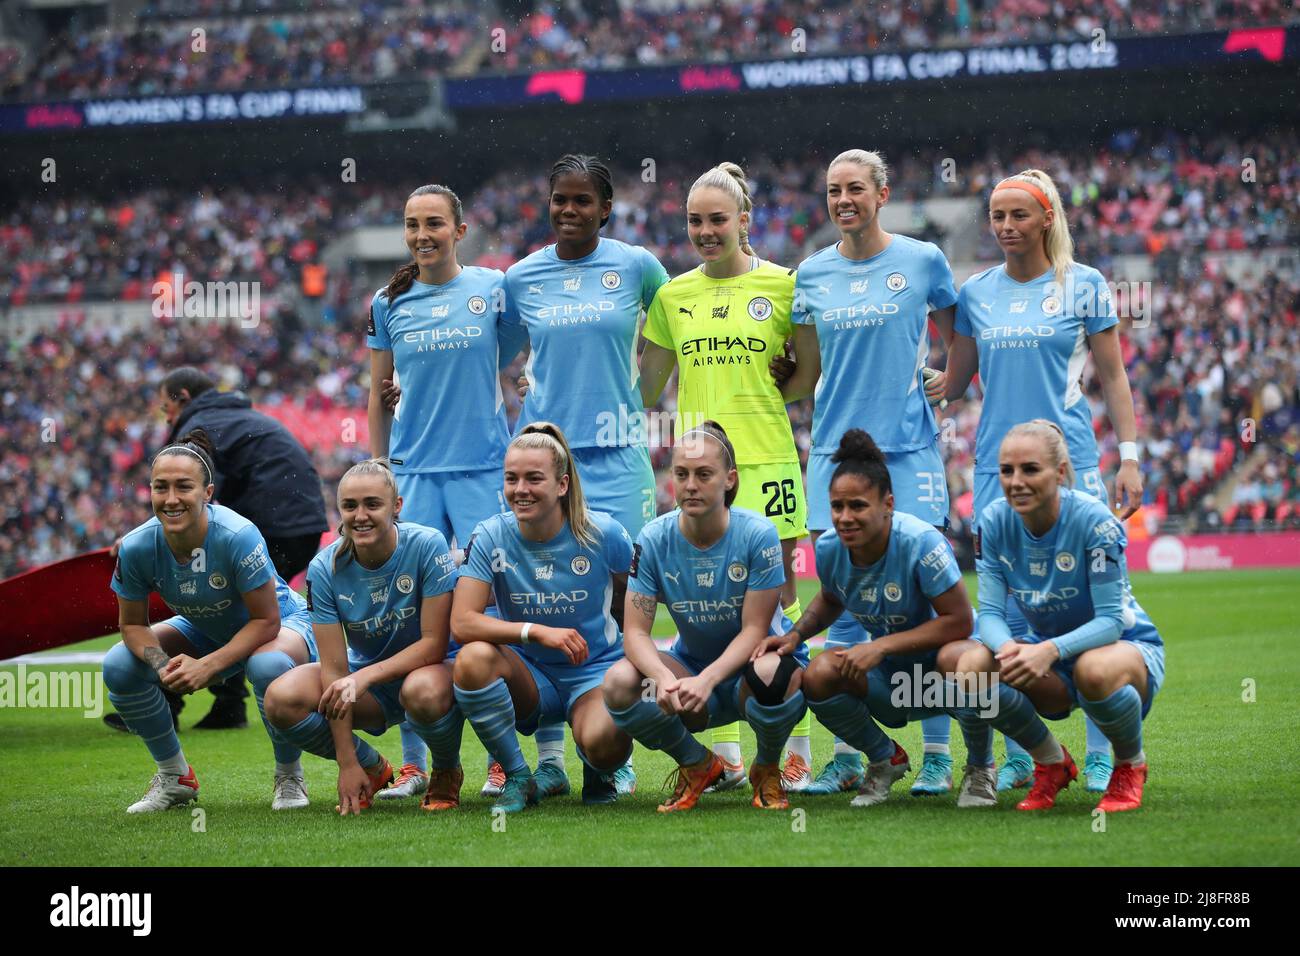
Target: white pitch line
pixel 54 657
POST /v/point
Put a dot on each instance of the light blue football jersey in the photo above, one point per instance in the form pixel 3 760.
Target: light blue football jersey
pixel 207 590
pixel 705 589
pixel 582 317
pixel 872 318
pixel 1054 579
pixel 379 608
pixel 558 582
pixel 448 343
pixel 894 593
pixel 1032 341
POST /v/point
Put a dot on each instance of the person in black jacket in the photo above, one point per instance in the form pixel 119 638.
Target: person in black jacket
pixel 264 474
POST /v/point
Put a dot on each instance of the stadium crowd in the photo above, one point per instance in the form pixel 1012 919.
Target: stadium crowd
pixel 263 42
pixel 80 406
pixel 1142 194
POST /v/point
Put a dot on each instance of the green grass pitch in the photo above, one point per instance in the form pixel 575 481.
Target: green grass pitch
pixel 1223 787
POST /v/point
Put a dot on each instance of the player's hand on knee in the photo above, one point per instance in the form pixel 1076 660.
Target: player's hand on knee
pixel 857 660
pixel 1034 662
pixel 782 644
pixel 564 639
pixel 1012 665
pixel 184 674
pixel 692 693
pixel 337 700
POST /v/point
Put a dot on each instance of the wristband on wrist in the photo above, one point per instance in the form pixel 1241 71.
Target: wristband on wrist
pixel 1128 451
pixel 523 632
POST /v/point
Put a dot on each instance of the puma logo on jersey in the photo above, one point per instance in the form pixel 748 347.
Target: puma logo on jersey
pixel 987 305
pixel 673 577
pixel 349 598
pixel 535 289
pixel 689 312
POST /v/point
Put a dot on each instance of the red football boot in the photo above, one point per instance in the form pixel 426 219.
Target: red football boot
pixel 1049 780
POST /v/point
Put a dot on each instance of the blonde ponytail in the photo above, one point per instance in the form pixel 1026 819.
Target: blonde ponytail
pixel 548 437
pixel 729 178
pixel 1057 242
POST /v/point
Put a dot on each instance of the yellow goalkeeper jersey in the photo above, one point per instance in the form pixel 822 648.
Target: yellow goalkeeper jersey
pixel 725 332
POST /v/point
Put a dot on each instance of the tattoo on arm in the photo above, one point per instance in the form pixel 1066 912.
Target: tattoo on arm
pixel 155 657
pixel 644 603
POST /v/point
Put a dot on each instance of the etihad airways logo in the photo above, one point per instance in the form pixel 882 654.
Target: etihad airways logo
pixel 859 311
pixel 570 310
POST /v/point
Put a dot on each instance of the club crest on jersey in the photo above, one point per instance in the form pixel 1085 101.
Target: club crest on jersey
pixel 477 304
pixel 611 280
pixel 857 286
pixel 896 282
pixel 1065 561
pixel 704 579
pixel 217 582
pixel 580 564
pixel 760 308
pixel 1051 305
pixel 405 583
pixel 893 592
pixel 737 572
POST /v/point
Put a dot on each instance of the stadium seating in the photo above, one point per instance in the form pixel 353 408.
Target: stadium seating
pixel 1217 352
pixel 315 41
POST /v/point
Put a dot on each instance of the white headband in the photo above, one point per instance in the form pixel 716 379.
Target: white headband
pixel 189 451
pixel 700 431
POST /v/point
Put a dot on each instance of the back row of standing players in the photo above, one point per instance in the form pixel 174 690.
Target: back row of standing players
pixel 856 314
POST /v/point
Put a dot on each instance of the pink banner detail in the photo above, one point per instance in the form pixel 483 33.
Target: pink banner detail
pixel 1170 554
pixel 569 85
pixel 1269 43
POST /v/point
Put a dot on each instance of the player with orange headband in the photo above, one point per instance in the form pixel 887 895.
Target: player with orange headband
pixel 1028 327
